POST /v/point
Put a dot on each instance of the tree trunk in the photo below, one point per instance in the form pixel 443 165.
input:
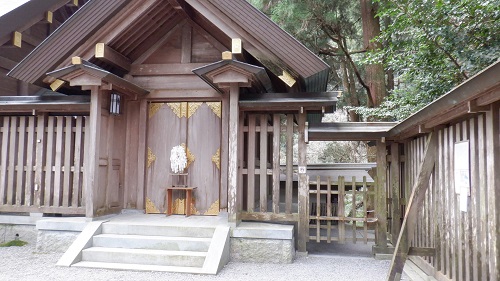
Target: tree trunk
pixel 350 90
pixel 375 75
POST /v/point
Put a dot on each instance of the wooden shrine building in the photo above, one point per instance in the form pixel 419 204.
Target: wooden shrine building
pixel 136 78
pixel 92 107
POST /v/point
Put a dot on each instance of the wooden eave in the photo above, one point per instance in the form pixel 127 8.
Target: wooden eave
pixel 471 97
pixel 34 104
pixel 265 40
pixel 349 131
pixel 118 83
pixel 260 80
pixel 62 42
pixel 26 16
pixel 149 22
pixel 324 102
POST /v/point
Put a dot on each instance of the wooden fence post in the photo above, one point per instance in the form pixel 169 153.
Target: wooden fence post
pixel 381 196
pixel 493 178
pixel 303 186
pixel 395 185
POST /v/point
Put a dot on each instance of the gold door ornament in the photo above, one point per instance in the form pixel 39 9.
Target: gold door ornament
pixel 216 108
pixel 151 157
pixel 153 108
pixel 184 109
pixel 216 158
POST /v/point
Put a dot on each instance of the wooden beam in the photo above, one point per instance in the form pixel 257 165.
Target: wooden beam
pixel 31 40
pixel 475 108
pixel 164 69
pixel 107 54
pixel 7 63
pixel 416 199
pixel 422 251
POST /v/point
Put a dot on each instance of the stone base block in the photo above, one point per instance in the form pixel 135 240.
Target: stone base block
pixel 26 233
pixel 262 250
pixel 49 241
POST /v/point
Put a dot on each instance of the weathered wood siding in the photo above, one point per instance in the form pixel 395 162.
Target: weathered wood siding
pixel 465 242
pixel 41 164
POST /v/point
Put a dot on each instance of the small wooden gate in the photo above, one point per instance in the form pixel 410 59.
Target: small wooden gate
pixel 341 210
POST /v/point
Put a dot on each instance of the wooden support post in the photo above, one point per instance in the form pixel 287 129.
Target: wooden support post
pixel 416 199
pixel 232 176
pixel 303 186
pixel 92 147
pixel 381 196
pixel 395 188
pixel 187 44
pixel 492 120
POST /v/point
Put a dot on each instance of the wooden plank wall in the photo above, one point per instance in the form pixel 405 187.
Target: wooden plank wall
pixel 464 242
pixel 41 164
pixel 263 196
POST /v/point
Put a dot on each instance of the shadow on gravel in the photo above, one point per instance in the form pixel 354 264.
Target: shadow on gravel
pixel 336 249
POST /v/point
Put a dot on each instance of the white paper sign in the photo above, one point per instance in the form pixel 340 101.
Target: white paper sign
pixel 462 173
pixel 302 169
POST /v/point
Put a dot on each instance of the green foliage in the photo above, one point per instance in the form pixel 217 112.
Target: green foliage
pixel 308 21
pixel 16 243
pixel 430 45
pixel 433 46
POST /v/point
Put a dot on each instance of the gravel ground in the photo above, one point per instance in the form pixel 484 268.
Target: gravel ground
pixel 22 263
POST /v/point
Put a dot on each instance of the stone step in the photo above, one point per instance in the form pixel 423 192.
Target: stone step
pixel 139 267
pixel 199 244
pixel 144 256
pixel 157 230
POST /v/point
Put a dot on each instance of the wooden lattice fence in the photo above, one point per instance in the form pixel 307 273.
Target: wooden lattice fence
pixel 41 164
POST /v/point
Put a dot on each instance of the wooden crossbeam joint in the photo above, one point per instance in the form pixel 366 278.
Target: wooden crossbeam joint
pixel 474 108
pixel 107 54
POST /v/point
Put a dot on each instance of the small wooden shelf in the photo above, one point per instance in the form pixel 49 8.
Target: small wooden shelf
pixel 187 202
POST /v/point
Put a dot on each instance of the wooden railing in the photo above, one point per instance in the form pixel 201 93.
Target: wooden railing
pixel 340 210
pixel 41 164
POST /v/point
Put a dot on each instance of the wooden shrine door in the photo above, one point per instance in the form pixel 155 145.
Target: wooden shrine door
pixel 196 126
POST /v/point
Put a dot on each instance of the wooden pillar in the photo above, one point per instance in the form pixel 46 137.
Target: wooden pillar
pixel 381 196
pixel 142 152
pixel 303 186
pixel 395 187
pixel 232 176
pixel 92 145
pixel 493 188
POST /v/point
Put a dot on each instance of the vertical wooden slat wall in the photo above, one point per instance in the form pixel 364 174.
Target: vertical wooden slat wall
pixel 264 135
pixel 41 160
pixel 462 240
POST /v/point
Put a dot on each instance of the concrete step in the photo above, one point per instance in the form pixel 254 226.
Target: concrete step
pixel 199 244
pixel 144 256
pixel 139 267
pixel 157 230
